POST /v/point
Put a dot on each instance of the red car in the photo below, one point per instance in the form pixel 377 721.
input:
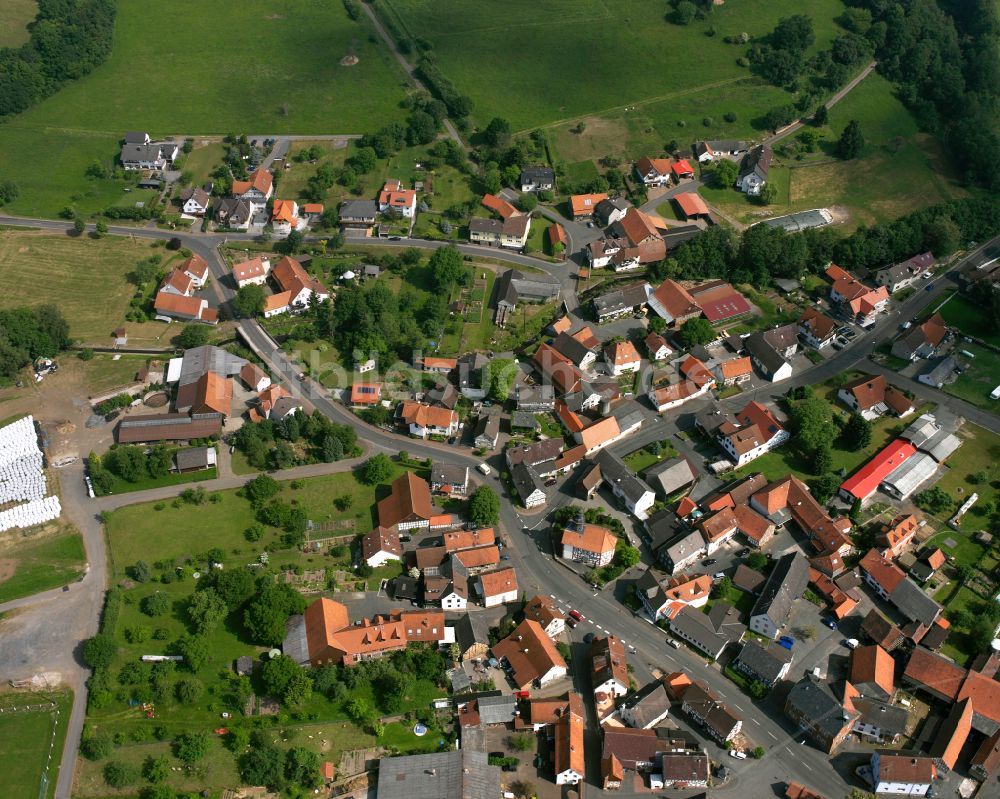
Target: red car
pixel 576 615
pixel 522 694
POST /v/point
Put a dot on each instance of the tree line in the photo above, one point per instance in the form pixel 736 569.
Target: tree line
pixel 67 39
pixel 29 333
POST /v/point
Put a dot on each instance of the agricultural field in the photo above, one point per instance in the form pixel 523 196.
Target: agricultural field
pixel 14 18
pixel 86 278
pixel 540 64
pixel 293 84
pixel 48 557
pixel 896 154
pixel 29 736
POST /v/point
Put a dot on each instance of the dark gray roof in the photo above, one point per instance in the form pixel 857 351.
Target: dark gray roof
pixel 782 337
pixel 815 701
pixel 616 473
pixel 537 174
pixel 616 301
pixel 449 473
pixel 710 631
pixel 785 584
pixel 457 774
pixel 763 353
pixel 628 413
pixel 146 152
pixel 571 348
pixel 526 480
pixel 480 224
pixel 670 475
pixel 535 395
pixel 757 161
pixel 192 458
pixel 914 603
pixel 471 629
pixel 524 420
pixel 233 210
pixel 513 285
pixel 136 137
pixel 404 587
pixel 662 527
pixel 607 207
pixel 712 418
pixel 200 360
pixel 295 644
pixel 488 426
pixel 678 235
pixel 496 709
pixel 765 664
pixel 534 454
pixel 358 209
pixel 681 546
pixel 445 396
pixel 649 703
pixel 890 719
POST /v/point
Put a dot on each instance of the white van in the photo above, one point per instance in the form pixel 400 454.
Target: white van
pixel 483 468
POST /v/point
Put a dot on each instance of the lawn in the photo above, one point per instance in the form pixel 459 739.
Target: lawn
pixel 33 744
pixel 969 317
pixel 626 45
pixel 14 18
pixel 642 459
pixel 86 278
pixel 104 373
pixel 41 560
pixel 202 160
pixel 292 83
pixel 980 451
pixel 120 486
pixel 976 383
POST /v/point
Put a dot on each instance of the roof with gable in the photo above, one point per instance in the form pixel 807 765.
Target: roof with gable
pixel 691 204
pixel 952 734
pixel 621 353
pixel 178 281
pixel 935 673
pixel 422 415
pixel 676 299
pixel 409 497
pixel 260 179
pixel 785 584
pixel 380 540
pixel 542 610
pixel 498 583
pixel 600 432
pixel 819 324
pixel 285 211
pixel 469 539
pixel 290 275
pixel 584 204
pixel 607 660
pixel 529 651
pixel 590 538
pixel 864 482
pixel 905 768
pixel 736 367
pixel 568 745
pixel 719 301
pixel 661 166
pixel 873 667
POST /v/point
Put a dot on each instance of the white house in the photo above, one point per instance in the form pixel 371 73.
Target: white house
pixel 754 169
pixel 285 217
pixel 542 610
pixel 176 282
pixel 622 357
pixel 394 199
pixel 196 268
pixel 195 201
pixel 653 171
pixel 427 420
pixel 537 178
pixel 454 597
pixel 252 272
pixel 758 432
pixel 663 398
pixel 256 190
pixel 498 588
pixel 609 674
pixel 381 546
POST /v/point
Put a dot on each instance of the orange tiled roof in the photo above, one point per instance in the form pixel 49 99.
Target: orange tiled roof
pixel 591 538
pixel 285 211
pixel 736 367
pixel 584 204
pixel 600 432
pixel 872 664
pixel 409 496
pixel 499 582
pixel 422 415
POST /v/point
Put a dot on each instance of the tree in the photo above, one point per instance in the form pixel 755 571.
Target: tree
pixel 757 690
pixel 756 560
pixel 857 433
pixel 934 500
pixel 793 33
pixel 266 613
pixel 500 377
pixel 447 267
pixel 825 486
pixel 192 336
pixel 8 192
pixel 120 775
pixel 261 489
pixel 376 469
pixel 302 766
pixel 696 331
pixel 757 752
pixel 189 690
pixel 527 202
pixel 156 769
pixel 521 741
pixel 191 746
pixel 97 746
pixel 194 649
pixel 249 300
pixel 722 588
pixel 942 236
pixel 100 651
pixel 294 241
pixel 484 507
pixel 769 193
pixel 626 555
pixel 263 764
pixel 821 115
pixel 79 225
pixel 725 172
pixel 206 609
pixel 421 128
pixel 100 228
pixel 684 13
pixel 812 422
pixel 276 673
pixel 851 141
pixel 155 604
pixel 822 459
pixel 140 572
pixel 497 133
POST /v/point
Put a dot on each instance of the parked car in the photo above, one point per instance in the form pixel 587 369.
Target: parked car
pixel 674 643
pixel 718 575
pixel 576 615
pixel 742 553
pixel 830 623
pixel 588 638
pixel 484 468
pixel 737 754
pixel 709 562
pixel 929 287
pixel 851 643
pixel 787 642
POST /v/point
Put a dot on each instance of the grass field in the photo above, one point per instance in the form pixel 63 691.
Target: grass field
pixel 40 562
pixel 980 451
pixel 970 318
pixel 291 82
pixel 976 383
pixel 14 18
pixel 83 276
pixel 541 63
pixel 104 373
pixel 27 738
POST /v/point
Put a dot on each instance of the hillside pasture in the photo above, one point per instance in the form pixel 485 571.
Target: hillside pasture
pixel 14 18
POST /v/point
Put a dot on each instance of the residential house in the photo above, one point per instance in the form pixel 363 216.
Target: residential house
pixel 754 169
pixel 755 431
pixel 664 599
pixel 579 350
pixel 789 499
pixel 872 396
pixel 590 544
pixel 785 585
pixel 942 373
pixel 902 275
pixel 678 551
pixel 511 232
pixel 921 340
pixel 530 655
pixel 770 351
pixel 544 611
pixel 707 151
pixel 622 357
pixel 653 171
pixel 895 773
pixel 569 763
pixel 927 564
pixel 233 213
pixel 194 201
pixel 812 705
pixel 253 272
pixel 427 420
pixel 397 201
pixel 718 529
pixel 528 485
pixel 359 214
pixel 895 536
pixel 864 303
pixel 734 371
pixel 487 431
pixel 643 232
pixel 892 585
pixel 621 302
pixel 881 631
pixel 681 170
pixel 514 286
pixel 256 190
pixel 453 774
pixel 672 395
pixel 711 713
pixel 609 669
pixel 142 153
pixel 498 588
pixel 671 475
pixel 766 665
pixel 457 541
pixel 472 637
pixel 408 505
pixel 584 205
pixel 537 178
pixel 683 770
pixel 178 283
pixel 657 347
pixel 323 635
pixel 646 708
pixel 635 495
pixel 708 632
pixel 366 395
pixel 632 749
pixel 817 329
pixel 298 288
pixel 285 217
pixel 610 210
pixel 380 546
pixel 188 309
pixel 449 479
pixel 541 455
pixel 873 672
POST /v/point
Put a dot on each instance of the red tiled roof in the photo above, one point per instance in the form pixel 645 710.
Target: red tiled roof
pixel 691 203
pixel 409 496
pixel 935 673
pixel 366 393
pixel 681 167
pixel 872 664
pixel 720 302
pixel 499 206
pixel 864 482
pixel 584 204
